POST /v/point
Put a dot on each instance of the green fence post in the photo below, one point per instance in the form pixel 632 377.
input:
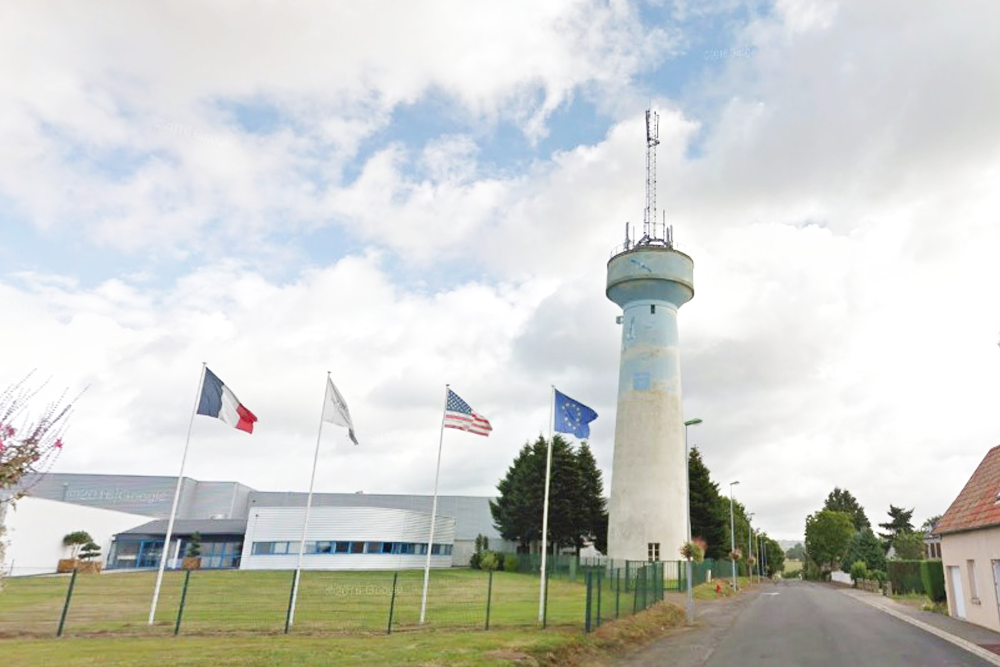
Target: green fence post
pixel 489 599
pixel 180 608
pixel 545 604
pixel 392 602
pixel 65 609
pixel 600 578
pixel 586 613
pixel 635 594
pixel 291 596
pixel 626 576
pixel 618 589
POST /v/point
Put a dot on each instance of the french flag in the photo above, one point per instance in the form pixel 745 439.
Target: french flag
pixel 217 400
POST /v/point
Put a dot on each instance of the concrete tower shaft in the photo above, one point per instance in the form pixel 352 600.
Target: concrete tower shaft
pixel 648 480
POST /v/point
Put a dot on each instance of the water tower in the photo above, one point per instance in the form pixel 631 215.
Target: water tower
pixel 650 280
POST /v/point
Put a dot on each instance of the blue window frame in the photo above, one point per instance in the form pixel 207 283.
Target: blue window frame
pixel 217 554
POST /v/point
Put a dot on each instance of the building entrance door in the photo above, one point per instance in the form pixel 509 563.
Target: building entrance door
pixel 956 589
pixel 149 553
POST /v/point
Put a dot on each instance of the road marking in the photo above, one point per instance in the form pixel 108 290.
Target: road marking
pixel 772 594
pixel 975 649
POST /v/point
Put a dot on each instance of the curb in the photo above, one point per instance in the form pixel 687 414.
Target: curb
pixel 975 649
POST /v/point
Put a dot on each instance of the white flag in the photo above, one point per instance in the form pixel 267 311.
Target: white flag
pixel 335 410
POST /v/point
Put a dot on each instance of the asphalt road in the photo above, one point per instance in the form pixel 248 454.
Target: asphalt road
pixel 801 624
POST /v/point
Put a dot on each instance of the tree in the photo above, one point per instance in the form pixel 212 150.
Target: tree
pixel 774 557
pixel 899 522
pixel 75 540
pixel 575 514
pixel 928 525
pixel 828 534
pixel 909 546
pixel 30 448
pixel 515 511
pixel 798 552
pixel 865 547
pixel 708 520
pixel 841 500
pixel 194 545
pixel 592 491
pixel 90 551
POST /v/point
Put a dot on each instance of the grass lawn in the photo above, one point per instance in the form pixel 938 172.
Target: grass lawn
pixel 792 567
pixel 434 647
pixel 234 601
pixel 471 646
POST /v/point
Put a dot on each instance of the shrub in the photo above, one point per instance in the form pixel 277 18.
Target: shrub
pixel 194 545
pixel 859 571
pixel 932 577
pixel 90 551
pixel 878 575
pixel 693 551
pixel 905 576
pixel 76 540
pixel 475 559
pixel 510 563
pixel 488 561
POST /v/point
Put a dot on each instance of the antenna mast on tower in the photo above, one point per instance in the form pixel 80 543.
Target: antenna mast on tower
pixel 652 141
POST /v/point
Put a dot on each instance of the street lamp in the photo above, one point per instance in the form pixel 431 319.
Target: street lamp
pixel 687 468
pixel 732 534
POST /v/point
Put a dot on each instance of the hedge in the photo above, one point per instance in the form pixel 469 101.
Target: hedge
pixel 905 576
pixel 932 577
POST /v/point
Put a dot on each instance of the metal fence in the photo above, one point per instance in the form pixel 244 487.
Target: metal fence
pixel 581 593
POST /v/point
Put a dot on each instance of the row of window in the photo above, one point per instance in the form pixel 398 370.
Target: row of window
pixel 349 547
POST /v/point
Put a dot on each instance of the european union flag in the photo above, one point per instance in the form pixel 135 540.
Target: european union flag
pixel 572 416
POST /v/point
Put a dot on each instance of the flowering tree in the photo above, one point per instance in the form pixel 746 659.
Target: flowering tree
pixel 28 444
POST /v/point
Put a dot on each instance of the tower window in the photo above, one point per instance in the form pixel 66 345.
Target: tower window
pixel 653 551
pixel 652 309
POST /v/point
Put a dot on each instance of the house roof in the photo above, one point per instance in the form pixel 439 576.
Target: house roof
pixel 977 505
pixel 189 526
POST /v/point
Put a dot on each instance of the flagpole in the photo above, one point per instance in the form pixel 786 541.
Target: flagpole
pixel 545 504
pixel 430 540
pixel 177 495
pixel 309 501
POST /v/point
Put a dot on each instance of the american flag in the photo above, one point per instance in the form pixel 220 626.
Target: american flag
pixel 458 414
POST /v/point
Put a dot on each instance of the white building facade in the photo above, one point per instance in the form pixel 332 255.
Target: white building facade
pixel 345 538
pixel 35 527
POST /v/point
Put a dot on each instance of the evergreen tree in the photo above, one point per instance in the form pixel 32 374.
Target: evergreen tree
pixel 593 496
pixel 708 520
pixel 865 547
pixel 899 522
pixel 576 499
pixel 515 511
pixel 928 525
pixel 841 500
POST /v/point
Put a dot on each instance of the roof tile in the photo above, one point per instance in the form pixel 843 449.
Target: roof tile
pixel 976 506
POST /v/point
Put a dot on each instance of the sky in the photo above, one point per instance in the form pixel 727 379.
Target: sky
pixel 421 193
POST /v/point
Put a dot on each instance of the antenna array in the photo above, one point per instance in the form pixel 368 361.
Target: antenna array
pixel 653 233
pixel 652 141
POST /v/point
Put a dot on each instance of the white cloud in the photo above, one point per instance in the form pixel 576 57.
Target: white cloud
pixel 836 191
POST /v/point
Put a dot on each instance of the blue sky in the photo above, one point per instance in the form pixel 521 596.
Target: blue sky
pixel 430 194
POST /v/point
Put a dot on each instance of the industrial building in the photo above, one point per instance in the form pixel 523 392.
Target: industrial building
pixel 239 527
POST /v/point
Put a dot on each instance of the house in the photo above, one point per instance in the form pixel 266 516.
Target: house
pixel 970 546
